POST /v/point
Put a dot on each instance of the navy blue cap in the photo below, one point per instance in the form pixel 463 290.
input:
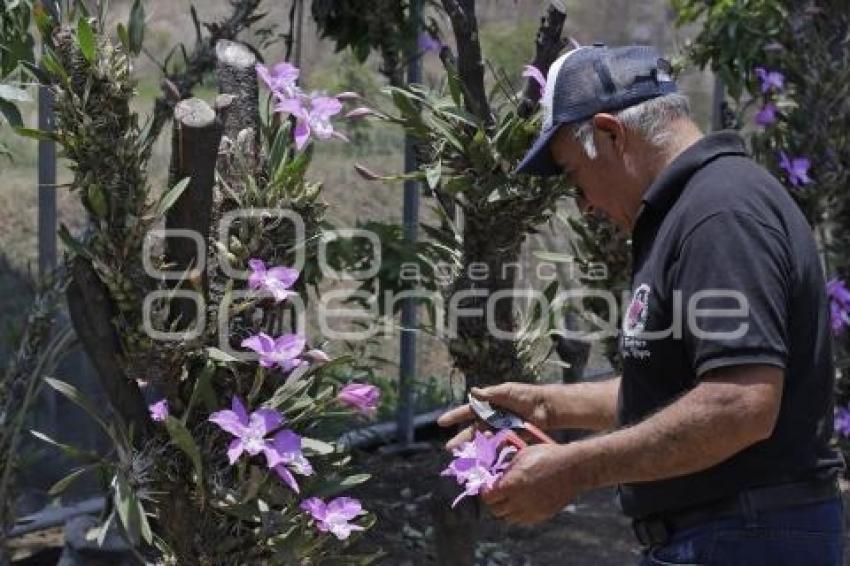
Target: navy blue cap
pixel 590 80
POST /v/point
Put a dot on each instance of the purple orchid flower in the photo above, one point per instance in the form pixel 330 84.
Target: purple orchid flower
pixel 770 80
pixel 842 421
pixel 275 281
pixel 478 464
pixel 428 43
pixel 250 431
pixel 312 117
pixel 839 305
pixel 159 410
pixel 796 168
pixel 767 115
pixel 285 456
pixel 361 396
pixel 533 72
pixel 335 516
pixel 282 351
pixel 281 79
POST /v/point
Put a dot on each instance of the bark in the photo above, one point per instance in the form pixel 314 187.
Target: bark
pixel 490 252
pixel 470 61
pixel 92 311
pixel 196 137
pixel 548 46
pixel 237 76
pixel 177 86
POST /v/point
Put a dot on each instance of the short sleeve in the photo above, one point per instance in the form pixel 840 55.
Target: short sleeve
pixel 734 279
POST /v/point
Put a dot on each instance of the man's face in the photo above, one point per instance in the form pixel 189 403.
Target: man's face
pixel 606 182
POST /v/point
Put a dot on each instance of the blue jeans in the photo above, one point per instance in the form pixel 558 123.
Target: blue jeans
pixel 808 535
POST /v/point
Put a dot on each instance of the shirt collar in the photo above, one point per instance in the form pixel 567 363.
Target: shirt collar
pixel 662 193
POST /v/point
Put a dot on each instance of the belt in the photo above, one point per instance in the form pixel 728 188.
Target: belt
pixel 657 530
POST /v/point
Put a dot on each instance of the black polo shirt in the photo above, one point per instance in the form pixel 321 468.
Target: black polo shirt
pixel 726 272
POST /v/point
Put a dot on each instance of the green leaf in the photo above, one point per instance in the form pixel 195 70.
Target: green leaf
pixel 317 446
pixel 554 257
pixel 96 199
pixel 73 394
pixel 136 27
pixel 83 456
pixel 170 197
pixel 402 101
pixel 202 390
pixel 43 21
pixel 71 243
pixel 98 534
pixel 331 487
pixel 11 113
pixel 130 511
pixel 35 134
pixel 123 36
pixel 433 173
pixel 86 40
pixel 455 86
pixel 220 356
pixel 52 65
pixel 63 484
pixel 181 436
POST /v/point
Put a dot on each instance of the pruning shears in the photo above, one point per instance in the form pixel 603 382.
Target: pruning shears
pixel 501 419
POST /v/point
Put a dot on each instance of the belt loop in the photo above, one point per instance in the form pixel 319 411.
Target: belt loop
pixel 750 513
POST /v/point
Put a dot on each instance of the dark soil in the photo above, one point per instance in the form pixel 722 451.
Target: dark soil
pixel 592 532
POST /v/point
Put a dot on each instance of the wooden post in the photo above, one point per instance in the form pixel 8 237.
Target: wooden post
pixel 195 140
pixel 237 76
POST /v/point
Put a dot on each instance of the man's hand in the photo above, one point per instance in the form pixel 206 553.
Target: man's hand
pixel 538 484
pixel 527 401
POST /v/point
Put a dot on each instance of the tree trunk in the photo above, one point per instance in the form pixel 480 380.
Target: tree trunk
pixel 237 76
pixel 195 140
pixel 92 311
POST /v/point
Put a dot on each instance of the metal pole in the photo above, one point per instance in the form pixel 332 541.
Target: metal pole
pixel 718 96
pixel 410 221
pixel 46 186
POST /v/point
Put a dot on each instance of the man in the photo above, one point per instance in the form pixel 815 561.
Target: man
pixel 718 432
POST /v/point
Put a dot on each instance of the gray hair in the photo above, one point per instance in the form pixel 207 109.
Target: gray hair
pixel 648 119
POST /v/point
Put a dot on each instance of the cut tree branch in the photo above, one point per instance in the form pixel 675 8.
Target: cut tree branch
pixel 178 86
pixel 548 46
pixel 196 137
pixel 470 61
pixel 238 78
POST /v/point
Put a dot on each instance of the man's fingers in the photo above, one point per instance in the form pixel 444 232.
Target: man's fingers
pixel 510 396
pixel 500 510
pixel 493 496
pixel 496 394
pixel 456 416
pixel 465 435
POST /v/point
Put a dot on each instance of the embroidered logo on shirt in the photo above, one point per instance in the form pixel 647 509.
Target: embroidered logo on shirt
pixel 637 312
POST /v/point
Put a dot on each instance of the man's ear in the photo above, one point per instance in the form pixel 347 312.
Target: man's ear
pixel 609 134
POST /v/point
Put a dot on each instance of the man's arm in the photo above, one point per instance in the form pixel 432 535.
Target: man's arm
pixel 729 410
pixel 588 406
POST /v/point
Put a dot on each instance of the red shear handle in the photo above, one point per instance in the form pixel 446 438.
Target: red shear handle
pixel 538 434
